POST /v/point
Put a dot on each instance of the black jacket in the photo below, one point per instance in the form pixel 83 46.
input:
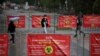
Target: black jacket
pixel 44 20
pixel 11 27
pixel 79 23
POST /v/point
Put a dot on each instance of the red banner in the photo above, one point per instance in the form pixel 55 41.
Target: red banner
pixel 95 44
pixel 67 21
pixel 3 45
pixel 20 23
pixel 36 21
pixel 91 21
pixel 48 45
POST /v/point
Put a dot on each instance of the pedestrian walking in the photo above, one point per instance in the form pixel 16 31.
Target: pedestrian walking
pixel 11 30
pixel 44 23
pixel 79 25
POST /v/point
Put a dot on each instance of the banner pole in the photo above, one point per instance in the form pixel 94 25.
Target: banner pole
pixel 77 47
pixel 54 24
pixel 83 45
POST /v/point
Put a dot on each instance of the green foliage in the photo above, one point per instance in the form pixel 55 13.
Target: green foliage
pixel 96 7
pixel 18 1
pixel 1 1
pixel 50 3
pixel 84 6
pixel 45 3
pixel 31 2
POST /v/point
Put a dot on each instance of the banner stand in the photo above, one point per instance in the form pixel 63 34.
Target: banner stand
pixel 48 44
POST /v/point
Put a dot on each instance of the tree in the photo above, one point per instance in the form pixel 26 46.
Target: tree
pixel 84 6
pixel 51 4
pixel 1 1
pixel 96 7
pixel 18 1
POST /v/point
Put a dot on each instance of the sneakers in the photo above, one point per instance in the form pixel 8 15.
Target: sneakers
pixel 12 41
pixel 75 35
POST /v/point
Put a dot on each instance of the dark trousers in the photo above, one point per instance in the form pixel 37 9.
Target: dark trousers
pixel 13 38
pixel 79 29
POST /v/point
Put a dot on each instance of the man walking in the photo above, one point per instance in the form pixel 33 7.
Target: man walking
pixel 79 24
pixel 44 23
pixel 11 30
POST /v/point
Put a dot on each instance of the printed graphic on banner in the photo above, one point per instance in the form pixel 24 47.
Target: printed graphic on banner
pixel 91 21
pixel 36 21
pixel 95 44
pixel 3 45
pixel 67 22
pixel 19 21
pixel 48 45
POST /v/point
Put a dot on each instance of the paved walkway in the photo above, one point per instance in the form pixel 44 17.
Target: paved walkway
pixel 78 46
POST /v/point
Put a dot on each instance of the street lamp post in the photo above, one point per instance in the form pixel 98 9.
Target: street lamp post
pixel 66 5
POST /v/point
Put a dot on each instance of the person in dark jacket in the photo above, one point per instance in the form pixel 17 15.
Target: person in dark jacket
pixel 79 24
pixel 44 23
pixel 11 30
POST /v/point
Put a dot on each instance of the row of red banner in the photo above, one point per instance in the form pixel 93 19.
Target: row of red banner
pixel 68 21
pixel 20 23
pixel 3 45
pixel 91 21
pixel 36 21
pixel 95 45
pixel 50 45
pixel 57 45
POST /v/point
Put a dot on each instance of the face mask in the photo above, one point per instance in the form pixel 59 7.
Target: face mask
pixel 45 17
